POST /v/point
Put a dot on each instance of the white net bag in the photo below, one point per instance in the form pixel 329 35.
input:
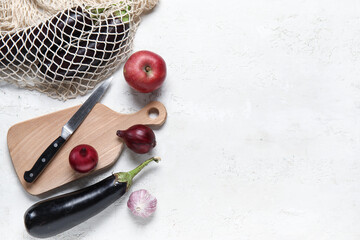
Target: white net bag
pixel 65 47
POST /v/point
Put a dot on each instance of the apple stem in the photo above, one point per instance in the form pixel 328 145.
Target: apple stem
pixel 147 69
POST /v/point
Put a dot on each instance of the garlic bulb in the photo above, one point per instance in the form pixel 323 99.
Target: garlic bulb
pixel 142 203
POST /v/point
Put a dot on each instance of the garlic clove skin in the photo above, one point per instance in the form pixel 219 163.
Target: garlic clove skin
pixel 141 203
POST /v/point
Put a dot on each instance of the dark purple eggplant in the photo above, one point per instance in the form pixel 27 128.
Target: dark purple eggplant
pixel 9 48
pixel 101 45
pixel 58 214
pixel 44 38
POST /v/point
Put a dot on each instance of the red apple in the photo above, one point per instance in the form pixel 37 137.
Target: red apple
pixel 145 71
pixel 83 158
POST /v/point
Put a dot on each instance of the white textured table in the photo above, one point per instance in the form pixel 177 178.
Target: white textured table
pixel 262 139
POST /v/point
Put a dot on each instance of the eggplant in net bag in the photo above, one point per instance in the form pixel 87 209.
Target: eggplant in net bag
pixel 64 48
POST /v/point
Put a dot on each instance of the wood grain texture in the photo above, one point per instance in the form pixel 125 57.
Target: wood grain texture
pixel 27 140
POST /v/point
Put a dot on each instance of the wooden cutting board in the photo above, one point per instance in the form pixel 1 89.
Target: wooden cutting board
pixel 27 140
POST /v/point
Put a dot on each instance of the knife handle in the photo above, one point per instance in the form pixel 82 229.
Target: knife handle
pixel 31 175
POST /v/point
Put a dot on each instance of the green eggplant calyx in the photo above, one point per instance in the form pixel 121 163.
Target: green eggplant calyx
pixel 123 13
pixel 128 176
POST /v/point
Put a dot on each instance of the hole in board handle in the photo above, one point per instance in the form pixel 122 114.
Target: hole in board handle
pixel 153 113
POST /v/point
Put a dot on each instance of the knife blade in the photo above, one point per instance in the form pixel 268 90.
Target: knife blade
pixel 67 130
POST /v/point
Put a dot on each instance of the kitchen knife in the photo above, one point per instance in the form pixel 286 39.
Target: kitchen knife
pixel 68 129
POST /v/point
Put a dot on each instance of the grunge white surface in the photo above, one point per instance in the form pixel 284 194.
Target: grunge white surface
pixel 263 131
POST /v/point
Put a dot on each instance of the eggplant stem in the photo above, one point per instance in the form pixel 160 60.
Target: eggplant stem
pixel 135 171
pixel 123 12
pixel 128 176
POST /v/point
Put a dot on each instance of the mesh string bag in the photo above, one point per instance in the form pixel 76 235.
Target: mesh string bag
pixel 64 48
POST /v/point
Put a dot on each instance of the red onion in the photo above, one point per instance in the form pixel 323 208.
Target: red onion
pixel 139 138
pixel 83 158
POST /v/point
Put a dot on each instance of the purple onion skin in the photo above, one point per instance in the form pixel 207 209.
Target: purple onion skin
pixel 139 138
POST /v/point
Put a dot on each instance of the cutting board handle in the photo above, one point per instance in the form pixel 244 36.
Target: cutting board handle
pixel 152 114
